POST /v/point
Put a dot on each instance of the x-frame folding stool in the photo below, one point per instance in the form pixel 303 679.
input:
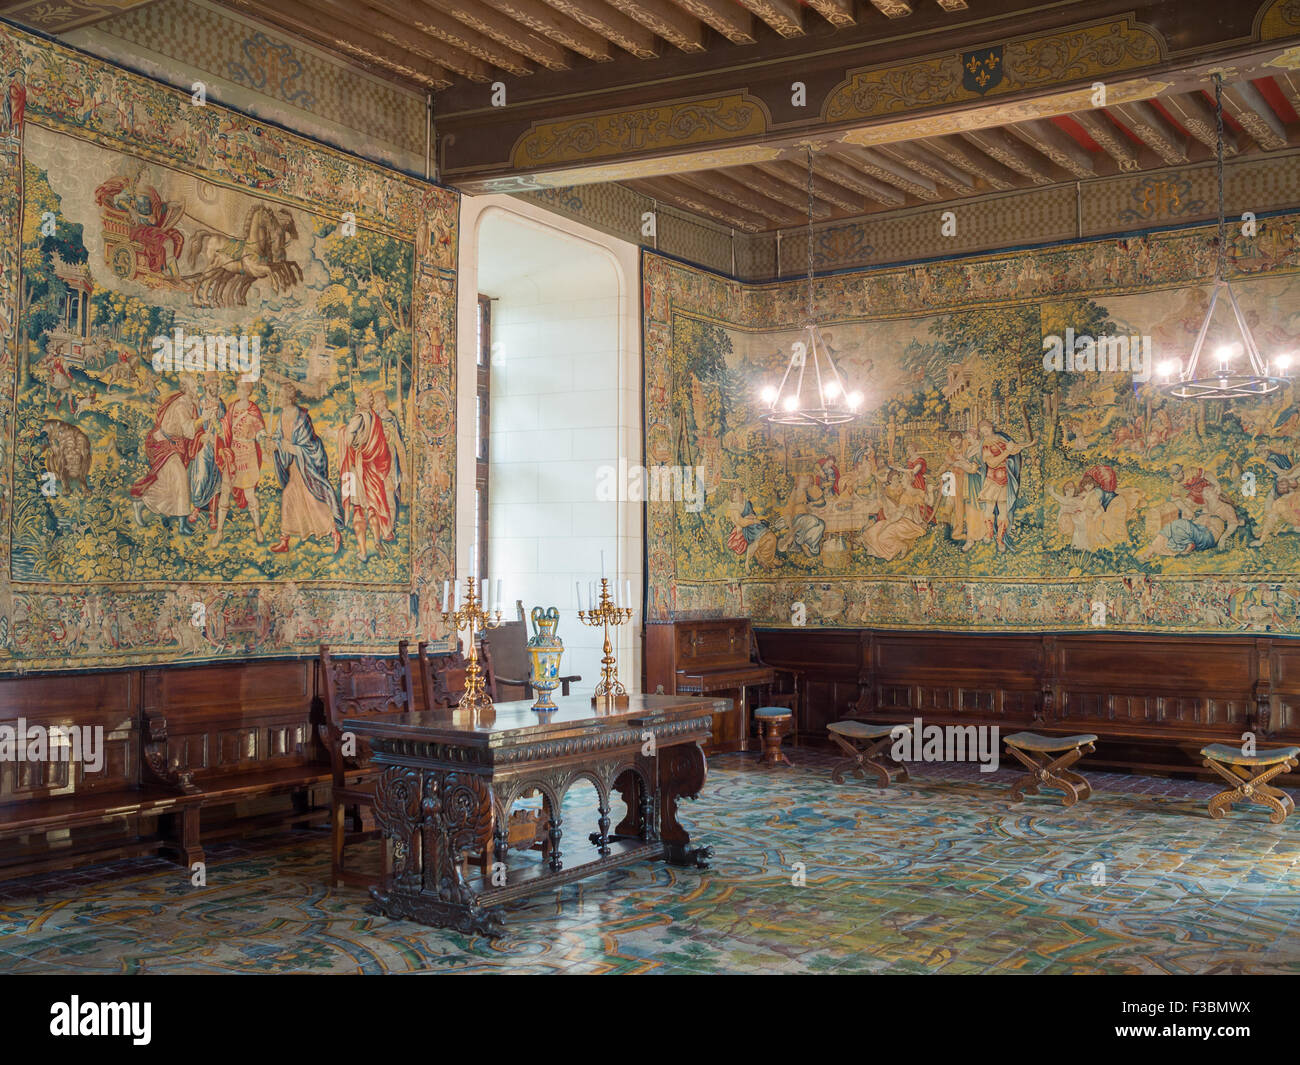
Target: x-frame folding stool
pixel 1236 768
pixel 862 759
pixel 1032 750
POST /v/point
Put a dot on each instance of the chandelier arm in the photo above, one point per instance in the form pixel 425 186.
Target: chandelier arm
pixel 1252 349
pixel 1192 363
pixel 784 378
pixel 817 364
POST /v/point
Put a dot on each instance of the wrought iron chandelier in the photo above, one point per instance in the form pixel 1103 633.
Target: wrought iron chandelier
pixel 1218 378
pixel 826 401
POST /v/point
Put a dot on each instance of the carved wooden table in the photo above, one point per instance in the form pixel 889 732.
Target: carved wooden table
pixel 450 779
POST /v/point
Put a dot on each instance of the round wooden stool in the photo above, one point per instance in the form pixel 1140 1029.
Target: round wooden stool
pixel 774 720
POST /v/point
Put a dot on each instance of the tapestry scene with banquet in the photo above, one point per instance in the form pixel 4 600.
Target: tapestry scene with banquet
pixel 231 353
pixel 1017 465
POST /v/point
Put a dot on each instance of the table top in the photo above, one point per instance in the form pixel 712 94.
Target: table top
pixel 514 721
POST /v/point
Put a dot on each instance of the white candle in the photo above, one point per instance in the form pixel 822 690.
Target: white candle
pixel 591 594
pixel 602 563
pixel 627 593
pixel 577 593
pixel 446 595
pixel 497 598
pixel 455 595
pixel 485 590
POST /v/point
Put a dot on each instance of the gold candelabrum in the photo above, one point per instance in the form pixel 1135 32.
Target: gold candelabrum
pixel 468 614
pixel 610 691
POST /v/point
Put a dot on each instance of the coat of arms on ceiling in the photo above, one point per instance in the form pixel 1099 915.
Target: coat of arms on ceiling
pixel 982 70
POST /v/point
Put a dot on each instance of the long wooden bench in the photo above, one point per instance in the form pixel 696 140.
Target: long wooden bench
pixel 192 755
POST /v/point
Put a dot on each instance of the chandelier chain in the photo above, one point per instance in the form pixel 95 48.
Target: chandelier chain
pixel 1218 112
pixel 810 233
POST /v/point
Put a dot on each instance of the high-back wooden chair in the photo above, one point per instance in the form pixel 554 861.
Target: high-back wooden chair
pixel 357 687
pixel 442 677
pixel 507 647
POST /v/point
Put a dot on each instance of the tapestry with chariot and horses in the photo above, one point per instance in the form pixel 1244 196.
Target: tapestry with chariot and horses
pixel 229 354
pixel 1017 464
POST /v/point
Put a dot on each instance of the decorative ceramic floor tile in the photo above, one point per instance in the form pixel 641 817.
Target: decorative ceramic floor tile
pixel 940 875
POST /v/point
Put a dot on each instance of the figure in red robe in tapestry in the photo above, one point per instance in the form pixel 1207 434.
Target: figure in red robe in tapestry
pixel 364 464
pixel 153 220
pixel 239 457
pixel 15 106
pixel 169 449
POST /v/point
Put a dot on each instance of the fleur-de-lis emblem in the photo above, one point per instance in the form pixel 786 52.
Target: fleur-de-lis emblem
pixel 982 70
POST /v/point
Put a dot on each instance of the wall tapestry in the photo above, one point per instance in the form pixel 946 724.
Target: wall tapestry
pixel 984 488
pixel 229 358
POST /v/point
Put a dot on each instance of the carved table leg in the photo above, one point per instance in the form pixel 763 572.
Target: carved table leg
pixel 554 833
pixel 682 770
pixel 601 837
pixel 450 813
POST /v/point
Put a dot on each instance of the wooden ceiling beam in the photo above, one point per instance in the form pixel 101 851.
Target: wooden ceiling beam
pixel 506 31
pixel 839 13
pixel 1153 129
pixel 1247 105
pixel 397 17
pixel 778 190
pixel 560 28
pixel 784 16
pixel 611 24
pixel 892 8
pixel 726 16
pixel 796 175
pixel 1109 137
pixel 361 47
pixel 961 154
pixel 917 158
pixel 1011 153
pixel 853 178
pixel 1196 115
pixel 718 184
pixel 671 191
pixel 1289 82
pixel 1053 142
pixel 890 171
pixel 674 25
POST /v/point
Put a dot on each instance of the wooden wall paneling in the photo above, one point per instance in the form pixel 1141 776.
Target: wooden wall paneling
pixel 1154 701
pixel 106 700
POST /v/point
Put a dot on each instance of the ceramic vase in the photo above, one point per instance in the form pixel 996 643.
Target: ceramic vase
pixel 545 648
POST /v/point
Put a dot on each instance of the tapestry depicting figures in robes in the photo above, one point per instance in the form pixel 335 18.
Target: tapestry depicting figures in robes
pixel 1015 465
pixel 231 354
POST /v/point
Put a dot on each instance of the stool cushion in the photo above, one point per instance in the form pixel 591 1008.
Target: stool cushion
pixel 1222 752
pixel 771 711
pixel 1032 741
pixel 863 730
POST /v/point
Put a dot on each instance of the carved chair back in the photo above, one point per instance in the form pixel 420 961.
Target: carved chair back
pixel 359 687
pixel 443 677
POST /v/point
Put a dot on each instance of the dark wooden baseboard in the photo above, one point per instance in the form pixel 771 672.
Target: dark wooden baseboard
pixel 1154 701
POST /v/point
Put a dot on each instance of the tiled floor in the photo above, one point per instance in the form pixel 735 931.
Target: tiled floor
pixel 940 875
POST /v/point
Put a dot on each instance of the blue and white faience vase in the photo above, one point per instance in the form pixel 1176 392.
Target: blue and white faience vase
pixel 545 648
